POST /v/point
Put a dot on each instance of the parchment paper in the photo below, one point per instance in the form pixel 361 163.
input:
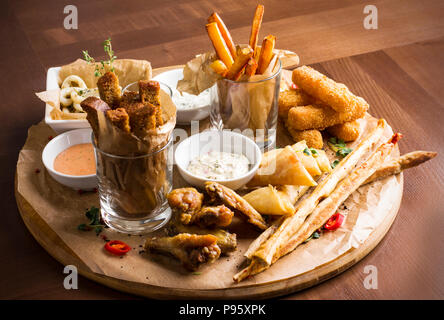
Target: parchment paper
pixel 63 209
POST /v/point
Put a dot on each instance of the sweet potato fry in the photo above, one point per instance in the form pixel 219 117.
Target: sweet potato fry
pixel 256 25
pixel 241 60
pixel 266 53
pixel 219 67
pixel 219 44
pixel 225 33
pixel 251 67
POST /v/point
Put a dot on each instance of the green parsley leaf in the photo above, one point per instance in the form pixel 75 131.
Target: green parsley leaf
pixel 314 152
pixel 307 152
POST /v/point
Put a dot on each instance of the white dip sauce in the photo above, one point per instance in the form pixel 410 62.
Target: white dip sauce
pixel 188 101
pixel 219 165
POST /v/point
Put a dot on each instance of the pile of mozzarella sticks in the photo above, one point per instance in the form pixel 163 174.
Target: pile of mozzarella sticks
pixel 234 62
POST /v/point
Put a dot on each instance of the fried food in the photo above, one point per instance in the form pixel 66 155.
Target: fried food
pixel 92 106
pixel 266 53
pixel 224 32
pixel 280 167
pixel 347 131
pixel 336 95
pixel 320 117
pixel 312 137
pixel 128 98
pixel 226 241
pixel 256 26
pixel 142 117
pixel 191 249
pixel 185 201
pixel 251 67
pixel 235 202
pixel 265 255
pixel 406 161
pixel 219 67
pixel 219 44
pixel 210 217
pixel 241 60
pixel 268 200
pixel 109 89
pixel 119 118
pixel 149 92
pixel 309 157
pixel 292 98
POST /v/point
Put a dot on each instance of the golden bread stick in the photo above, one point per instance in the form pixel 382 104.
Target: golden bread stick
pixel 109 89
pixel 219 44
pixel 92 106
pixel 336 95
pixel 225 33
pixel 292 98
pixel 266 53
pixel 256 25
pixel 313 137
pixel 219 67
pixel 241 60
pixel 142 117
pixel 347 131
pixel 320 117
pixel 149 92
pixel 405 161
pixel 119 118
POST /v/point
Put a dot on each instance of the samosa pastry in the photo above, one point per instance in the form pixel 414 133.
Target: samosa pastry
pixel 282 167
pixel 268 200
pixel 304 154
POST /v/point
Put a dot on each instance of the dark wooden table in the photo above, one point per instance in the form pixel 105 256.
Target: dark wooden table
pixel 398 68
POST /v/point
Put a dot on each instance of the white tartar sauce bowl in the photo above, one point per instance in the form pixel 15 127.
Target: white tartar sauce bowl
pixel 219 141
pixel 189 107
pixel 56 146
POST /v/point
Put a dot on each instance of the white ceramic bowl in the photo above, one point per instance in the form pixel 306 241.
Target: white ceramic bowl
pixel 59 144
pixel 59 126
pixel 185 116
pixel 215 140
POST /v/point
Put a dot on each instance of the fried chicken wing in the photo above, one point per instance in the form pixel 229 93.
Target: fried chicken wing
pixel 119 118
pixel 109 89
pixel 234 201
pixel 191 249
pixel 219 216
pixel 185 201
pixel 226 241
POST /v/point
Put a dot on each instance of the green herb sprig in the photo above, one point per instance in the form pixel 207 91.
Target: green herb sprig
pixel 95 221
pixel 338 146
pixel 101 68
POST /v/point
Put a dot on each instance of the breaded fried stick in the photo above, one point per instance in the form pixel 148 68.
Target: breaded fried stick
pixel 142 117
pixel 92 106
pixel 336 95
pixel 119 118
pixel 292 98
pixel 347 131
pixel 317 117
pixel 149 92
pixel 109 89
pixel 313 137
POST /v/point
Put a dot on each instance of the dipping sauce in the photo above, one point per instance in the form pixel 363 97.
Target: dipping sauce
pixel 219 165
pixel 77 160
pixel 188 101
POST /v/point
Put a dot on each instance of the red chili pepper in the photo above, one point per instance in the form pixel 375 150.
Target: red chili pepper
pixel 117 247
pixel 334 222
pixel 294 86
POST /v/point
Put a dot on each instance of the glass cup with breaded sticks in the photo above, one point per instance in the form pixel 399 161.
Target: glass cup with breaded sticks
pixel 132 137
pixel 248 105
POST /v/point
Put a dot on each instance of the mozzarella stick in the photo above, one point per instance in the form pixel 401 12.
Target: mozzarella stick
pixel 219 67
pixel 239 63
pixel 292 98
pixel 345 188
pixel 266 53
pixel 336 95
pixel 347 131
pixel 406 161
pixel 320 117
pixel 263 257
pixel 313 137
pixel 256 25
pixel 224 32
pixel 219 44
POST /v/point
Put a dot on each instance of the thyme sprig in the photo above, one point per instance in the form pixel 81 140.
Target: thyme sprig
pixel 100 68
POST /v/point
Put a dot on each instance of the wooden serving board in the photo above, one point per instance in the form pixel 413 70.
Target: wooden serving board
pixel 266 285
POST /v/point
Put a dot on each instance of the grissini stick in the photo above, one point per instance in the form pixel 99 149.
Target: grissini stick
pixel 256 25
pixel 263 257
pixel 219 44
pixel 266 53
pixel 225 33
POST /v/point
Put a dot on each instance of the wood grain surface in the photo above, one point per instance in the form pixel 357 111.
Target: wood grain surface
pixel 401 61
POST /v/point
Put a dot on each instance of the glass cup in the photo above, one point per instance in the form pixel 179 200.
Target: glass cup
pixel 133 189
pixel 248 107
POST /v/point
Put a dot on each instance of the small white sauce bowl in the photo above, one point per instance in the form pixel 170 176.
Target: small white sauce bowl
pixel 61 143
pixel 221 141
pixel 184 116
